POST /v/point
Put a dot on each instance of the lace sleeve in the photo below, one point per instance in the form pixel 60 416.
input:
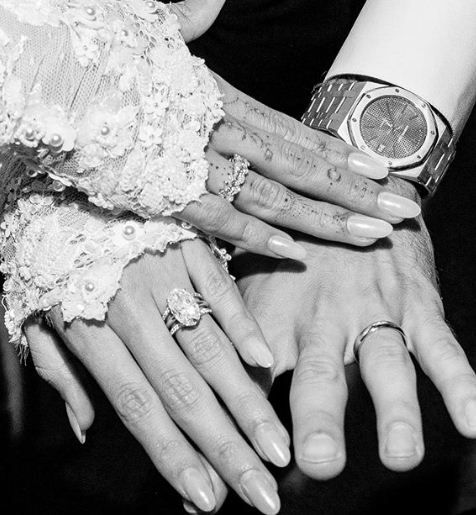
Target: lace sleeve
pixel 104 96
pixel 61 251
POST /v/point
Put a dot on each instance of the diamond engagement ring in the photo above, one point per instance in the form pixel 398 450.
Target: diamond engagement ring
pixel 372 328
pixel 184 309
pixel 236 178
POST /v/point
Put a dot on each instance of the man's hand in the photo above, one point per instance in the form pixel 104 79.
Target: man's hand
pixel 311 315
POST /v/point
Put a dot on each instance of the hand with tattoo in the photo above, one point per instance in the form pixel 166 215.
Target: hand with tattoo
pixel 301 180
pixel 311 314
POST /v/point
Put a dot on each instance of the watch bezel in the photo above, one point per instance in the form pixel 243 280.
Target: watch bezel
pixel 353 125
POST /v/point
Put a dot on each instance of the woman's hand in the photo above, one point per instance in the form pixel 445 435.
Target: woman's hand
pixel 302 180
pixel 159 389
pixel 311 316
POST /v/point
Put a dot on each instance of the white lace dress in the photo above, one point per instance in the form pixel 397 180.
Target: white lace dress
pixel 104 118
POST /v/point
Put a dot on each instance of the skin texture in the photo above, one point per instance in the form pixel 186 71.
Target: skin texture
pixel 323 305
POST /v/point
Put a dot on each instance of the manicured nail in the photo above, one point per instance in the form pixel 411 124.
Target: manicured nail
pixel 190 508
pixel 272 444
pixel 286 248
pixel 401 442
pixel 471 413
pixel 366 227
pixel 398 206
pixel 260 493
pixel 260 353
pixel 73 422
pixel 365 165
pixel 198 489
pixel 320 448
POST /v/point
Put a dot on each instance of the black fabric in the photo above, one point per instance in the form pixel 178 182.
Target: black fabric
pixel 276 50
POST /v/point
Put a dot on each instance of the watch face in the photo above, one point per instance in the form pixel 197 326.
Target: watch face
pixel 393 127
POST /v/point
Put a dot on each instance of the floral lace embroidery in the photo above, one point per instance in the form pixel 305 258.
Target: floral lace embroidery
pixel 62 251
pixel 103 95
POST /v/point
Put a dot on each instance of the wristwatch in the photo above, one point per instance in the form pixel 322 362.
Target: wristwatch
pixel 391 124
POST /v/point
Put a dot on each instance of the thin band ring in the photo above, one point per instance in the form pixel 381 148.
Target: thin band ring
pixel 372 328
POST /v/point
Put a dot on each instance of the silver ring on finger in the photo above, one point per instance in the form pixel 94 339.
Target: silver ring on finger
pixel 184 309
pixel 236 178
pixel 372 328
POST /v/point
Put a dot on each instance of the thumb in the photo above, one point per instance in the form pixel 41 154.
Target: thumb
pixel 196 16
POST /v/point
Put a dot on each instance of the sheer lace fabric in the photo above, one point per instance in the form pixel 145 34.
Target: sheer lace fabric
pixel 104 97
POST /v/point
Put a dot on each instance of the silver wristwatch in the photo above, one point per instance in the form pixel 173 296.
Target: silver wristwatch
pixel 389 123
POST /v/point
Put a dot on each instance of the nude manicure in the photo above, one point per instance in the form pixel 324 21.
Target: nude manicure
pixel 272 444
pixel 366 227
pixel 320 448
pixel 366 166
pixel 260 354
pixel 286 248
pixel 260 493
pixel 73 421
pixel 398 206
pixel 401 442
pixel 470 412
pixel 198 489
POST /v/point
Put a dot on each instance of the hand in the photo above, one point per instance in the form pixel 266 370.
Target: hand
pixel 311 315
pixel 293 166
pixel 157 389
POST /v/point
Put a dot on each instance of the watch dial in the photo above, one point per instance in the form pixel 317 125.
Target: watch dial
pixel 393 127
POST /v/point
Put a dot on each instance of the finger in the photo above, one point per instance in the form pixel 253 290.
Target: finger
pixel 333 150
pixel 216 216
pixel 272 202
pixel 196 16
pixel 189 400
pixel 318 398
pixel 444 361
pixel 220 291
pixel 389 375
pixel 54 365
pixel 306 172
pixel 140 410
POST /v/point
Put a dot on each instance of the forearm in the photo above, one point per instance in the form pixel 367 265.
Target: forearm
pixel 425 46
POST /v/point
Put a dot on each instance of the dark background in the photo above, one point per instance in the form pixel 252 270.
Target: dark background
pixel 274 50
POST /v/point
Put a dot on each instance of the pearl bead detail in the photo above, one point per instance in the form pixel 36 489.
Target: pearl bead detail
pixel 105 130
pixel 90 11
pixel 56 140
pixel 29 134
pixel 89 286
pixel 58 186
pixel 129 232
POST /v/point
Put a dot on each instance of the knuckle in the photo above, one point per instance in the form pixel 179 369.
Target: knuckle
pixel 318 370
pixel 446 350
pixel 216 218
pixel 178 392
pixel 134 403
pixel 217 284
pixel 205 347
pixel 227 452
pixel 298 163
pixel 249 232
pixel 266 193
pixel 360 191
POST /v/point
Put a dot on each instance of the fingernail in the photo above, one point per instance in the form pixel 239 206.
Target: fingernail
pixel 471 413
pixel 190 508
pixel 73 422
pixel 365 165
pixel 401 442
pixel 272 444
pixel 320 448
pixel 366 227
pixel 260 493
pixel 286 248
pixel 198 489
pixel 398 206
pixel 261 354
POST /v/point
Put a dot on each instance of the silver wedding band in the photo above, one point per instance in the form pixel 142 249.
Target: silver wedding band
pixel 184 309
pixel 372 328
